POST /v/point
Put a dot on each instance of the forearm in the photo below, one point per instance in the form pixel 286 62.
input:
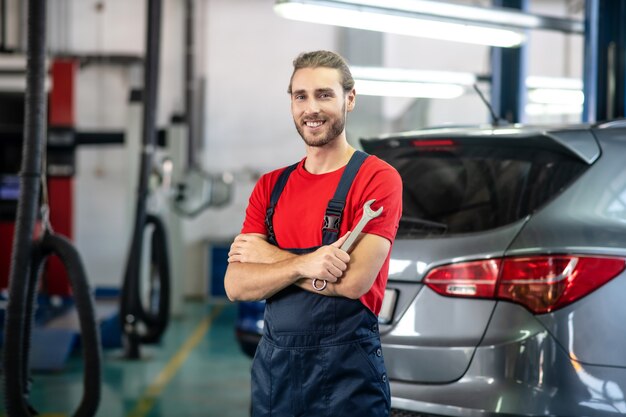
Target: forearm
pixel 366 260
pixel 257 270
pixel 256 281
pixel 345 287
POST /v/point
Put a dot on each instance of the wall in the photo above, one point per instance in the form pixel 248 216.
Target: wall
pixel 245 53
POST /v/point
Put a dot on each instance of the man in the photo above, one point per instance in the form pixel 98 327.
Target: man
pixel 320 354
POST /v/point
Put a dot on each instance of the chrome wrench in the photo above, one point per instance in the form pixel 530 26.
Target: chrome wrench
pixel 368 214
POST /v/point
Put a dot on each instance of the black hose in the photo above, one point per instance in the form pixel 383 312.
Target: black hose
pixel 156 317
pixel 51 244
pixel 27 257
pixel 34 138
pixel 131 311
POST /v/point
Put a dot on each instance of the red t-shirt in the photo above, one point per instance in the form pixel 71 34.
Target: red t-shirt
pixel 299 213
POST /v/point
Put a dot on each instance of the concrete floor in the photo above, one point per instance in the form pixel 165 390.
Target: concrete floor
pixel 198 370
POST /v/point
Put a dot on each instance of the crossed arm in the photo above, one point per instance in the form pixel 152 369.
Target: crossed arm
pixel 257 270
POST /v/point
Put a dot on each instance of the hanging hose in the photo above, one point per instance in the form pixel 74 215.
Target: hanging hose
pixel 27 256
pixel 52 244
pixel 156 316
pixel 34 128
pixel 132 313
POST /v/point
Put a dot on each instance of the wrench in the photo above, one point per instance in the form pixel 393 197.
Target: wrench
pixel 368 214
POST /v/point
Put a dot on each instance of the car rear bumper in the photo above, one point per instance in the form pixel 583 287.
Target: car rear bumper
pixel 531 377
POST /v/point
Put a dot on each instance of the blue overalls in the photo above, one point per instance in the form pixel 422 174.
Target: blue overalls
pixel 319 356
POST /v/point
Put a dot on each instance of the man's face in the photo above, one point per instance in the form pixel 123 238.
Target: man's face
pixel 319 105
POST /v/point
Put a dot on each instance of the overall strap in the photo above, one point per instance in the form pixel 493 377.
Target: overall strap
pixel 276 192
pixel 334 209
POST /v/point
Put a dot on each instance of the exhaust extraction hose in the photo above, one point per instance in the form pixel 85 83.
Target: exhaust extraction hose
pixel 132 313
pixel 27 256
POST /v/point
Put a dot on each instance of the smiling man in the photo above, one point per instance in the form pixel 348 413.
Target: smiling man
pixel 320 354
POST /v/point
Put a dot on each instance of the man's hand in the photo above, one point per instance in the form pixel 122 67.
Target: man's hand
pixel 254 248
pixel 366 258
pixel 257 270
pixel 327 263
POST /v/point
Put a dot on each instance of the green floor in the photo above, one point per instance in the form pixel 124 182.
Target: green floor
pixel 198 370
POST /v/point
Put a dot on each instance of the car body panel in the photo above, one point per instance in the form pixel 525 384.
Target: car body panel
pixel 595 204
pixel 582 142
pixel 499 381
pixel 575 327
pixel 411 259
pixel 444 341
pixel 435 348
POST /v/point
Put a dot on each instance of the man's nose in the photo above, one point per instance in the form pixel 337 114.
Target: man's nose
pixel 312 106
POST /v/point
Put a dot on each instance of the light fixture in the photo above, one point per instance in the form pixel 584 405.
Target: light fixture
pixel 556 96
pixel 412 75
pixel 404 89
pixel 535 82
pixel 425 18
pixel 536 109
pixel 565 94
pixel 397 82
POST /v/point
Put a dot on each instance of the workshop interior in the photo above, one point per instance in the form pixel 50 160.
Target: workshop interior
pixel 133 132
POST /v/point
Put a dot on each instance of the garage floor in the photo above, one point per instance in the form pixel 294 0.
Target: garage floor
pixel 198 370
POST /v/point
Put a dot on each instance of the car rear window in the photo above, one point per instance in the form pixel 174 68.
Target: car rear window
pixel 454 187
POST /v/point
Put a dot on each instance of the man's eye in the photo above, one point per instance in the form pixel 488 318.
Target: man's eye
pixel 299 97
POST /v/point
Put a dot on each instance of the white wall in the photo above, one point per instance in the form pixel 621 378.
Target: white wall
pixel 245 53
pixel 248 127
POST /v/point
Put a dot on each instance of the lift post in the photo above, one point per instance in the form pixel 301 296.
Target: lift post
pixel 604 74
pixel 508 74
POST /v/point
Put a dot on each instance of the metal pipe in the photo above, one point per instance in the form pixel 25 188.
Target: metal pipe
pixel 590 64
pixel 190 82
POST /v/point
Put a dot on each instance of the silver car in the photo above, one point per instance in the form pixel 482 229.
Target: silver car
pixel 507 289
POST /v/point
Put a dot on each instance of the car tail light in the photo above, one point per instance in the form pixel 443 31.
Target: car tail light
pixel 546 283
pixel 467 279
pixel 540 283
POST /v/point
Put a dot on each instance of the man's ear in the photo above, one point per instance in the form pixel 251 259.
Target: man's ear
pixel 350 100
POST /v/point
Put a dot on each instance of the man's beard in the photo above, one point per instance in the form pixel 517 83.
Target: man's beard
pixel 335 130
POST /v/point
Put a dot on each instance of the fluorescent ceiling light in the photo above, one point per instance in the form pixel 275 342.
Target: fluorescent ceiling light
pixel 407 89
pixel 410 75
pixel 398 82
pixel 563 92
pixel 494 16
pixel 352 15
pixel 535 109
pixel 556 96
pixel 534 81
